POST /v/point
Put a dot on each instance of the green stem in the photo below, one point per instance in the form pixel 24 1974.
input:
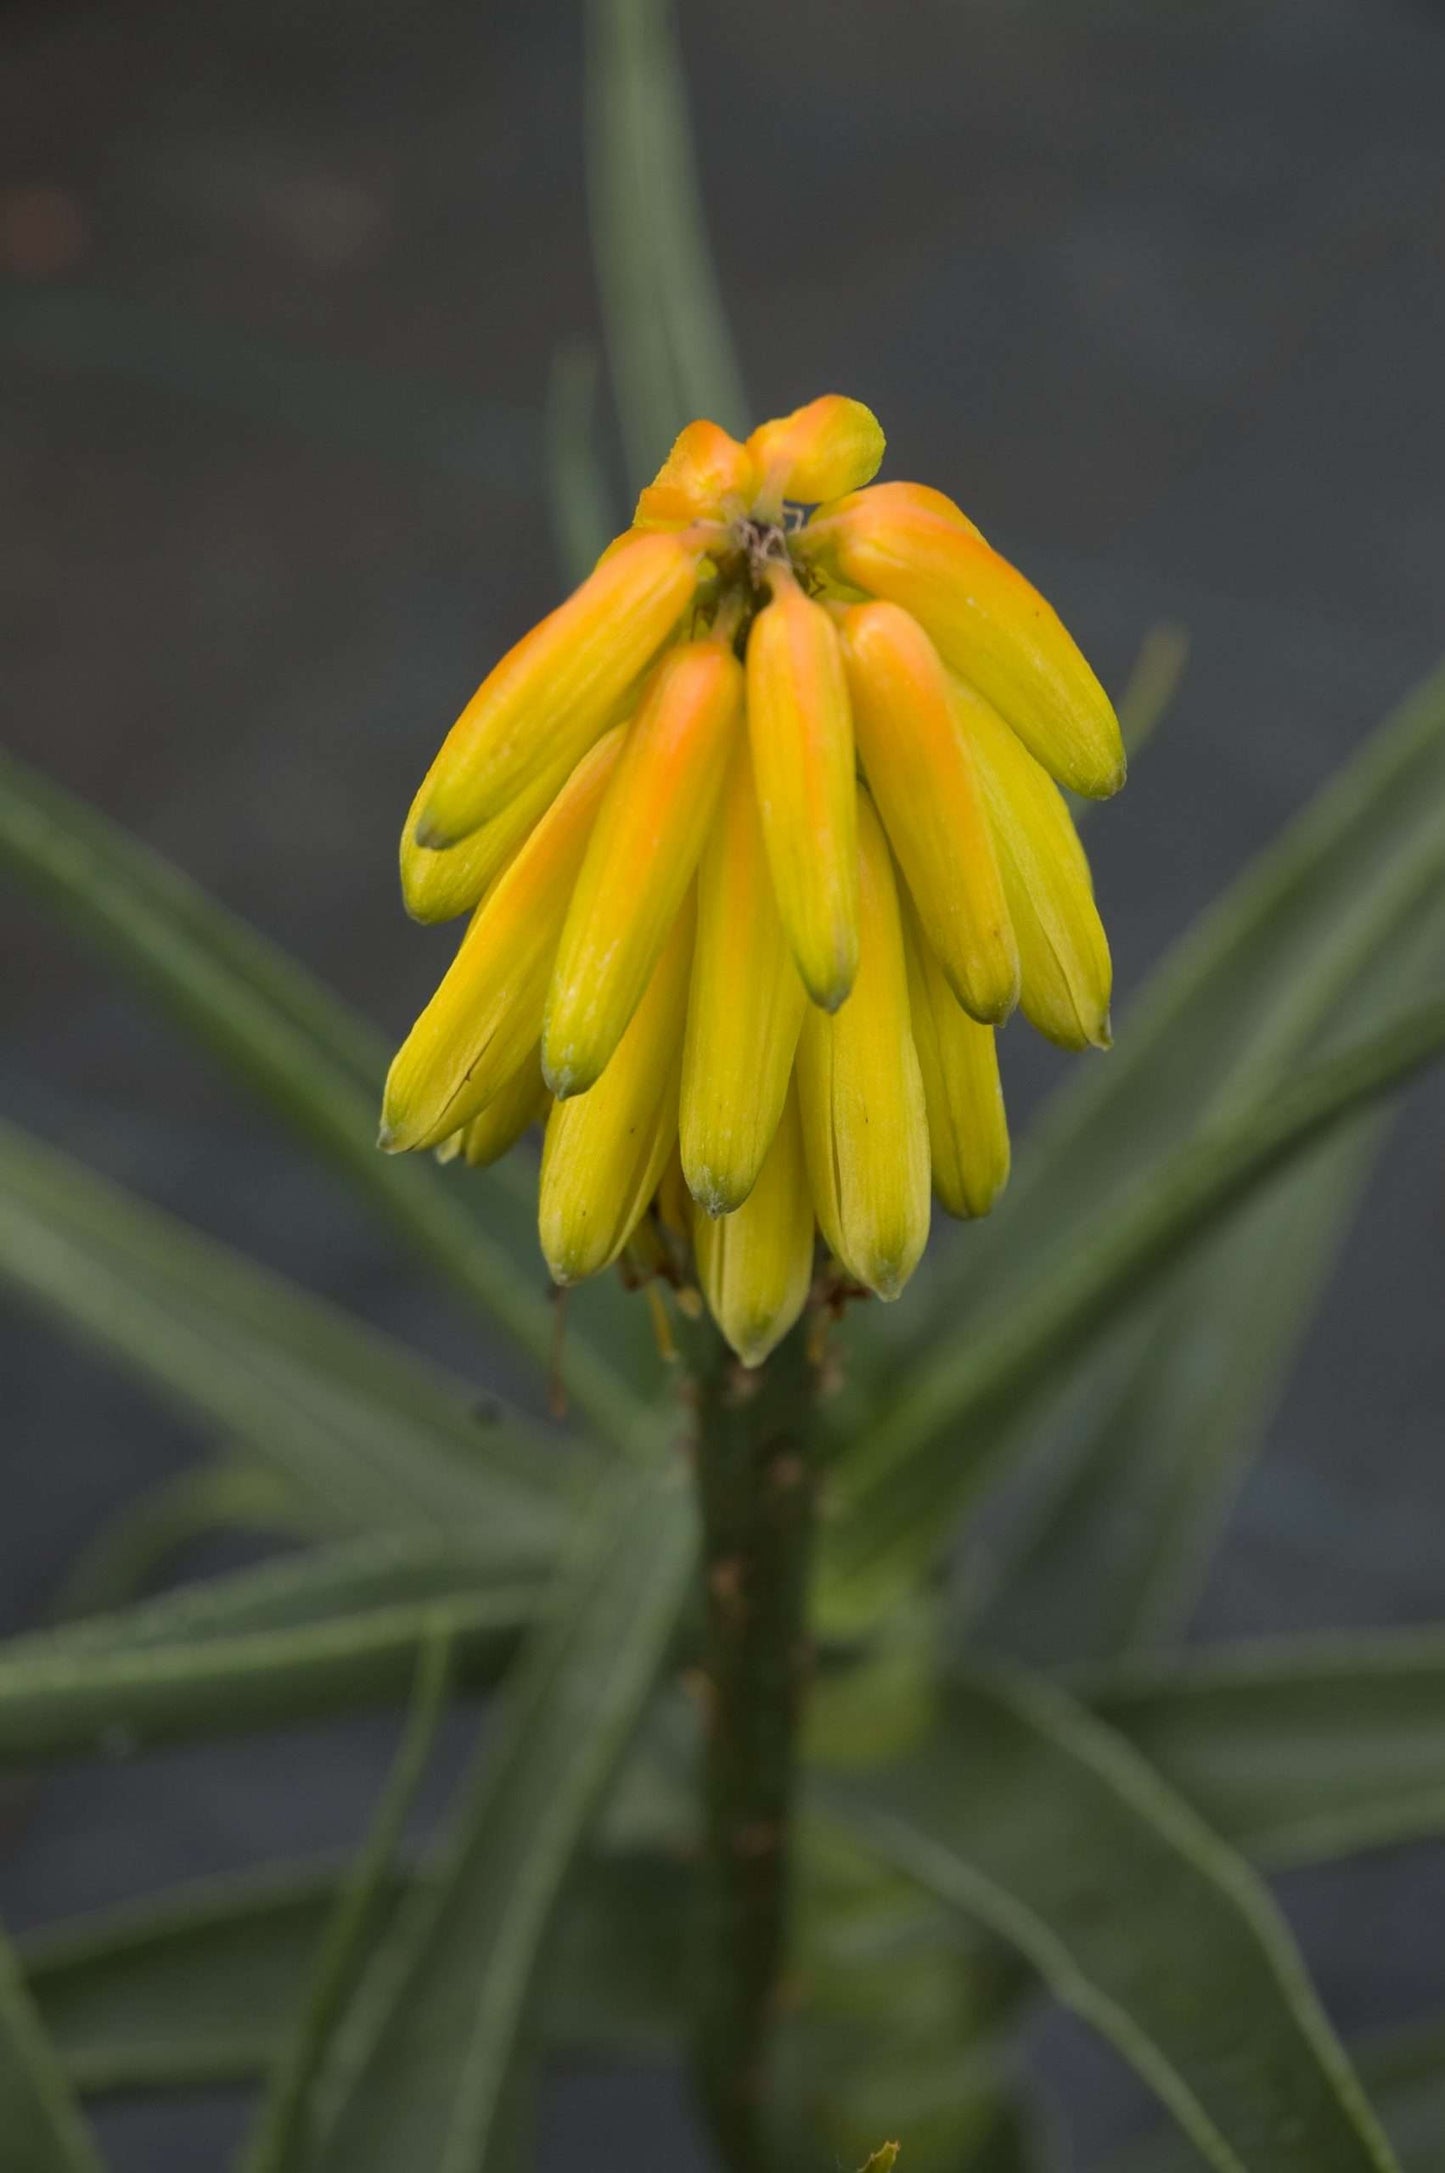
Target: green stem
pixel 757 1486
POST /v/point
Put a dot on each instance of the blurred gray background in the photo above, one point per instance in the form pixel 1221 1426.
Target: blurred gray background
pixel 1157 290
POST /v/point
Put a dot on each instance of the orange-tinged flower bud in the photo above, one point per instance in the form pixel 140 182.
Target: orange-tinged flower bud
pixel 903 499
pixel 707 476
pixel 801 734
pixel 606 1150
pixel 831 446
pixel 745 1008
pixel 860 1091
pixel 967 1128
pixel 641 856
pixel 926 788
pixel 553 694
pixel 989 624
pixel 756 1264
pixel 1063 951
pixel 522 1102
pixel 487 1013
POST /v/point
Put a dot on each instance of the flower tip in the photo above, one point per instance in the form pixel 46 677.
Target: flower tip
pixel 430 834
pixel 1103 1034
pixel 565 1076
pixel 387 1138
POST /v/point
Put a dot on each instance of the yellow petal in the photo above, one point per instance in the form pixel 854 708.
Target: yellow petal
pixel 926 788
pixel 744 1010
pixel 641 856
pixel 487 1013
pixel 1063 951
pixel 706 476
pixel 756 1264
pixel 802 740
pixel 522 1102
pixel 865 1127
pixel 819 451
pixel 967 1125
pixel 606 1150
pixel 989 624
pixel 553 694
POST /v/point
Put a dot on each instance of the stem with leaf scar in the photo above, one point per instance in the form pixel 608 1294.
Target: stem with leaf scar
pixel 757 1485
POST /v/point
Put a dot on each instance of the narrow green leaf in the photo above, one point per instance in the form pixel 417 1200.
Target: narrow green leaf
pixel 380 1436
pixel 1404 2072
pixel 280 2138
pixel 894 1493
pixel 321 1067
pixel 668 341
pixel 424 2060
pixel 1295 1750
pixel 1153 683
pixel 201 1986
pixel 584 519
pixel 1113 1556
pixel 256 1650
pixel 40 2124
pixel 1030 1817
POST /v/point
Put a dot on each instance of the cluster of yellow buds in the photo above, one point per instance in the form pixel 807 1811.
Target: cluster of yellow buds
pixel 761 838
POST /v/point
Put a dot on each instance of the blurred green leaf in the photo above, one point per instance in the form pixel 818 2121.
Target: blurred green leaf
pixel 1114 1551
pixel 379 1435
pixel 668 339
pixel 584 519
pixel 1404 2072
pixel 322 1067
pixel 1152 684
pixel 1295 1750
pixel 893 1494
pixel 424 2058
pixel 1029 1816
pixel 283 2124
pixel 201 1986
pixel 41 2130
pixel 60 1696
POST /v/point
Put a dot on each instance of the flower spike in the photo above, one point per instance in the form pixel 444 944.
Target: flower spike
pixel 760 839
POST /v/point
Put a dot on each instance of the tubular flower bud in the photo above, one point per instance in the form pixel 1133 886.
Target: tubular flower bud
pixel 641 856
pixel 487 1013
pixel 522 1102
pixel 990 625
pixel 865 1127
pixel 756 1264
pixel 745 1009
pixel 968 1140
pixel 925 786
pixel 1063 952
pixel 606 1150
pixel 801 732
pixel 823 450
pixel 748 828
pixel 706 476
pixel 553 694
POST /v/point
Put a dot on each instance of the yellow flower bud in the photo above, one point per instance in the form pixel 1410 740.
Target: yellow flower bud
pixel 641 856
pixel 606 1150
pixel 1066 975
pixel 553 694
pixel 706 476
pixel 831 446
pixel 522 1102
pixel 860 1091
pixel 925 786
pixel 989 624
pixel 487 1013
pixel 744 1011
pixel 756 1264
pixel 801 734
pixel 968 1139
